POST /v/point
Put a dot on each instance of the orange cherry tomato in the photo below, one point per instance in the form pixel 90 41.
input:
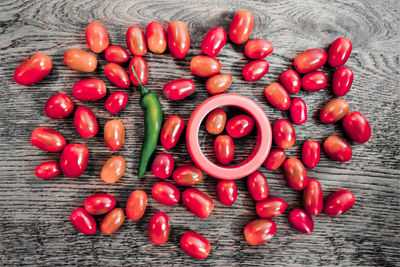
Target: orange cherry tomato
pixel 116 54
pixel 214 41
pixel 178 39
pixel 275 159
pixel 113 221
pixel 216 120
pixel 312 197
pixel 224 149
pixel 156 37
pixel 255 70
pixel 85 122
pixel 277 96
pixel 80 60
pixel 136 41
pixel 171 131
pixel 96 37
pixel 33 69
pixel 204 66
pixel 258 48
pixel 310 60
pixel 113 169
pixel 219 83
pixel 334 111
pixel 259 231
pixel 295 174
pixel 241 27
pixel 337 149
pixel 136 205
pixel 141 69
pixel 89 89
pixel 159 228
pixel 283 134
pixel 48 140
pixel 187 175
pixel 114 134
pixel 117 75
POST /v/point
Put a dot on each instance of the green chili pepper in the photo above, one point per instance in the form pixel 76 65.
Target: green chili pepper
pixel 153 117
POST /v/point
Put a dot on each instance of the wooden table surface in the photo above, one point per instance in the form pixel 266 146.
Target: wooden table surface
pixel 34 225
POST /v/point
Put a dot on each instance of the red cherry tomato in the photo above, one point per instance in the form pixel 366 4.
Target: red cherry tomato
pixel 295 174
pixel 291 81
pixel 310 154
pixel 195 245
pixel 312 197
pixel 187 175
pixel 116 54
pixel 204 66
pixel 218 83
pixel 337 149
pixel 197 202
pixel 136 41
pixel 80 60
pixel 227 192
pixel 113 221
pixel 163 165
pixel 47 139
pixel 114 134
pixel 178 89
pixel 339 52
pixel 255 70
pixel 166 193
pixel 83 221
pixel 116 102
pixel 96 37
pixel 241 27
pixel 342 81
pixel 216 120
pixel 314 81
pixel 89 89
pixel 159 228
pixel 357 127
pixel 74 160
pixel 301 221
pixel 258 48
pixel 171 131
pixel 141 69
pixel 113 169
pixel 240 125
pixel 214 41
pixel 339 202
pixel 310 60
pixel 277 96
pixel 271 207
pixel 224 149
pixel 85 122
pixel 283 134
pixel 334 111
pixel 58 106
pixel 136 205
pixel 156 37
pixel 298 111
pixel 99 204
pixel 275 159
pixel 178 39
pixel 259 231
pixel 33 69
pixel 117 75
pixel 47 170
pixel 258 186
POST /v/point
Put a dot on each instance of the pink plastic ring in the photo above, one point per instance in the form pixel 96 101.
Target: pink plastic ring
pixel 256 158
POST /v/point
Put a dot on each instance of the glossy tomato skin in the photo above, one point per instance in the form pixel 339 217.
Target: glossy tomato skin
pixel 179 89
pixel 171 131
pixel 33 69
pixel 283 134
pixel 241 27
pixel 271 207
pixel 178 39
pixel 187 175
pixel 357 127
pixel 216 120
pixel 114 134
pixel 166 193
pixel 295 174
pixel 98 204
pixel 224 149
pixel 218 83
pixel 58 106
pixel 291 81
pixel 113 169
pixel 159 228
pixel 136 41
pixel 47 139
pixel 298 111
pixel 116 54
pixel 83 221
pixel 80 60
pixel 240 125
pixel 310 154
pixel 258 186
pixel 313 200
pixel 227 192
pixel 136 205
pixel 342 81
pixel 163 165
pixel 255 70
pixel 195 245
pixel 301 221
pixel 214 41
pixel 258 48
pixel 73 160
pixel 334 111
pixel 113 221
pixel 275 159
pixel 204 66
pixel 47 170
pixel 277 96
pixel 197 202
pixel 310 60
pixel 89 89
pixel 259 231
pixel 339 202
pixel 141 69
pixel 85 122
pixel 314 81
pixel 96 37
pixel 337 149
pixel 156 37
pixel 117 75
pixel 116 102
pixel 339 52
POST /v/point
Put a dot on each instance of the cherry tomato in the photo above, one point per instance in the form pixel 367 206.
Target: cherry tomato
pixel 96 37
pixel 80 60
pixel 339 52
pixel 178 39
pixel 58 106
pixel 204 66
pixel 314 81
pixel 99 204
pixel 166 193
pixel 255 70
pixel 74 160
pixel 114 134
pixel 301 221
pixel 163 165
pixel 113 169
pixel 339 202
pixel 195 245
pixel 117 75
pixel 275 159
pixel 310 154
pixel 112 221
pixel 83 221
pixel 337 149
pixel 218 83
pixel 178 89
pixel 283 134
pixel 197 202
pixel 342 81
pixel 312 197
pixel 141 69
pixel 89 89
pixel 271 207
pixel 136 41
pixel 159 228
pixel 187 175
pixel 156 37
pixel 171 131
pixel 298 111
pixel 214 41
pixel 116 102
pixel 357 127
pixel 116 54
pixel 227 192
pixel 291 81
pixel 85 122
pixel 240 125
pixel 295 173
pixel 241 27
pixel 33 69
pixel 258 48
pixel 310 60
pixel 216 120
pixel 224 149
pixel 334 111
pixel 259 231
pixel 136 205
pixel 47 170
pixel 47 139
pixel 277 96
pixel 258 186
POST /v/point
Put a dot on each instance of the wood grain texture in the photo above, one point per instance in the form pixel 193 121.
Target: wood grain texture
pixel 34 225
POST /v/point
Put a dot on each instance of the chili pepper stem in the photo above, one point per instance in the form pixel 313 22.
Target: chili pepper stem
pixel 143 89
